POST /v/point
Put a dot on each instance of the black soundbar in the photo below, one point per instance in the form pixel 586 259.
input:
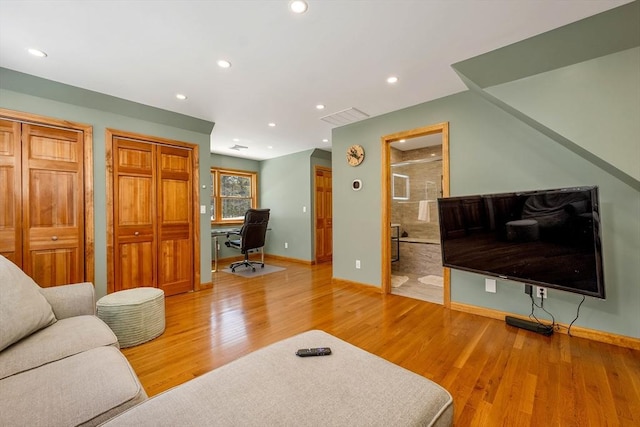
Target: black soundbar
pixel 529 325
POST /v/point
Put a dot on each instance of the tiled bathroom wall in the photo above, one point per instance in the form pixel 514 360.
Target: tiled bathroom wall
pixel 418 214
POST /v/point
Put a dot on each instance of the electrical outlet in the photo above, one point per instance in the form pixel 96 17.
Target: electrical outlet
pixel 203 209
pixel 357 263
pixel 541 292
pixel 286 245
pixel 490 285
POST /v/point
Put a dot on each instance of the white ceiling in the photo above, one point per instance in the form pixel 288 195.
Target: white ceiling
pixel 339 53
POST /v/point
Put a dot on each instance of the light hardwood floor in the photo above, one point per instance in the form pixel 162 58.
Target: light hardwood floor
pixel 498 375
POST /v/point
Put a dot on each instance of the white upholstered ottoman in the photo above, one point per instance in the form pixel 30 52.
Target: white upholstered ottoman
pixel 134 315
pixel 274 387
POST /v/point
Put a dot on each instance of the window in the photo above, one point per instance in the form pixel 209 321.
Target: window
pixel 232 193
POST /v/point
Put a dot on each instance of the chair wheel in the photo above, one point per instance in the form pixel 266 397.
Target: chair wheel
pixel 253 268
pixel 262 266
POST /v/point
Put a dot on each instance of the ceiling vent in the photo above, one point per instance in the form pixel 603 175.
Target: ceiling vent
pixel 238 147
pixel 344 117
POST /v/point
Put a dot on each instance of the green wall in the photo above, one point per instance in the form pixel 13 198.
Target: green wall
pixel 491 151
pixel 31 94
pixel 600 101
pixel 285 189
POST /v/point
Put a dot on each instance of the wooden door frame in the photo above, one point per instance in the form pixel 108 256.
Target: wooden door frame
pixel 316 168
pixel 87 133
pixel 110 134
pixel 386 141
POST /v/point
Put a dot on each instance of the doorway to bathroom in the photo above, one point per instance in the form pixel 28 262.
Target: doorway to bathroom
pixel 415 174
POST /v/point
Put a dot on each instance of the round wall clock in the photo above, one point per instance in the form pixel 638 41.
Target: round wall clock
pixel 355 155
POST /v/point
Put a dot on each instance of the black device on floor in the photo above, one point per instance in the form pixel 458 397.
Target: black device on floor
pixel 529 325
pixel 308 352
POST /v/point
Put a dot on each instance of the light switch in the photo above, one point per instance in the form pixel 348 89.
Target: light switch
pixel 203 209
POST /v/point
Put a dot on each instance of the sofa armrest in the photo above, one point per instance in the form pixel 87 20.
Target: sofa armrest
pixel 71 300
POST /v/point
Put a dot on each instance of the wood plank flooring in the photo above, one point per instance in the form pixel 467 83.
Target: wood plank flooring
pixel 498 375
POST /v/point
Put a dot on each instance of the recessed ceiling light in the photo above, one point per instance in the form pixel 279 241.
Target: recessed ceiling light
pixel 269 147
pixel 38 53
pixel 320 106
pixel 272 125
pixel 236 139
pixel 223 63
pixel 181 97
pixel 298 6
pixel 392 80
pixel 325 140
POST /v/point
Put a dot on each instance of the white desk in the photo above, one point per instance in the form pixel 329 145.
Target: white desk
pixel 215 233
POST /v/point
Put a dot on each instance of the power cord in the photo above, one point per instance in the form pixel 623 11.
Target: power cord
pixel 577 315
pixel 533 316
pixel 553 319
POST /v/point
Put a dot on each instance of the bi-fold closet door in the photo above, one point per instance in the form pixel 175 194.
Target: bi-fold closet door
pixel 153 231
pixel 42 201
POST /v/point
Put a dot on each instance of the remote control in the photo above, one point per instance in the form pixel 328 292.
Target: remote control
pixel 308 352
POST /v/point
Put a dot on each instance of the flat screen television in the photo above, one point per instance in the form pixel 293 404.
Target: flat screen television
pixel 547 238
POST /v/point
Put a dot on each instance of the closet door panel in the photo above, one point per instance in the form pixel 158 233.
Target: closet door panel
pixel 54 266
pixel 323 215
pixel 134 216
pixel 10 189
pixel 135 269
pixel 52 183
pixel 174 220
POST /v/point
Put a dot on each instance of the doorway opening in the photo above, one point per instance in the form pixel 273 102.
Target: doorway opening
pixel 415 172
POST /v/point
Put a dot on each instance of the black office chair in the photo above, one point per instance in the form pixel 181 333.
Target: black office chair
pixel 252 237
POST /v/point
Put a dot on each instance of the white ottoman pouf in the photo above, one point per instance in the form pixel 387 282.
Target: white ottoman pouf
pixel 134 315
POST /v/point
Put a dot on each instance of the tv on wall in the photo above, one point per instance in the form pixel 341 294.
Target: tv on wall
pixel 547 238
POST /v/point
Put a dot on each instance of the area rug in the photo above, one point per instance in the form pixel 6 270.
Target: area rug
pixel 432 280
pixel 247 272
pixel 397 281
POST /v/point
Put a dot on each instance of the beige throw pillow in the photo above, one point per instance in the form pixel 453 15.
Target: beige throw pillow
pixel 23 309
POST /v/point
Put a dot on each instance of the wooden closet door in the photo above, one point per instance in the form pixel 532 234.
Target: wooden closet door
pixel 324 215
pixel 10 192
pixel 53 205
pixel 175 213
pixel 134 197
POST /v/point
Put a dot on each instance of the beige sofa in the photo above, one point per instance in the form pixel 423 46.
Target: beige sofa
pixel 59 364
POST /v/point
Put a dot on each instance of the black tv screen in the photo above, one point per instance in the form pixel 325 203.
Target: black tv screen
pixel 546 238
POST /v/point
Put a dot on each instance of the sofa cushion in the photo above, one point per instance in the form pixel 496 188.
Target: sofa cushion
pixel 85 389
pixel 23 309
pixel 64 338
pixel 274 387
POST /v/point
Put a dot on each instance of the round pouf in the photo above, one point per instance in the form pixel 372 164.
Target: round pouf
pixel 134 315
pixel 524 230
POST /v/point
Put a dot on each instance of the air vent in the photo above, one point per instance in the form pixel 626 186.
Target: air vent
pixel 238 147
pixel 344 117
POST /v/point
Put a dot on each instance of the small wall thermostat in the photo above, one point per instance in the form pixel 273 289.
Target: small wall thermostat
pixel 356 185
